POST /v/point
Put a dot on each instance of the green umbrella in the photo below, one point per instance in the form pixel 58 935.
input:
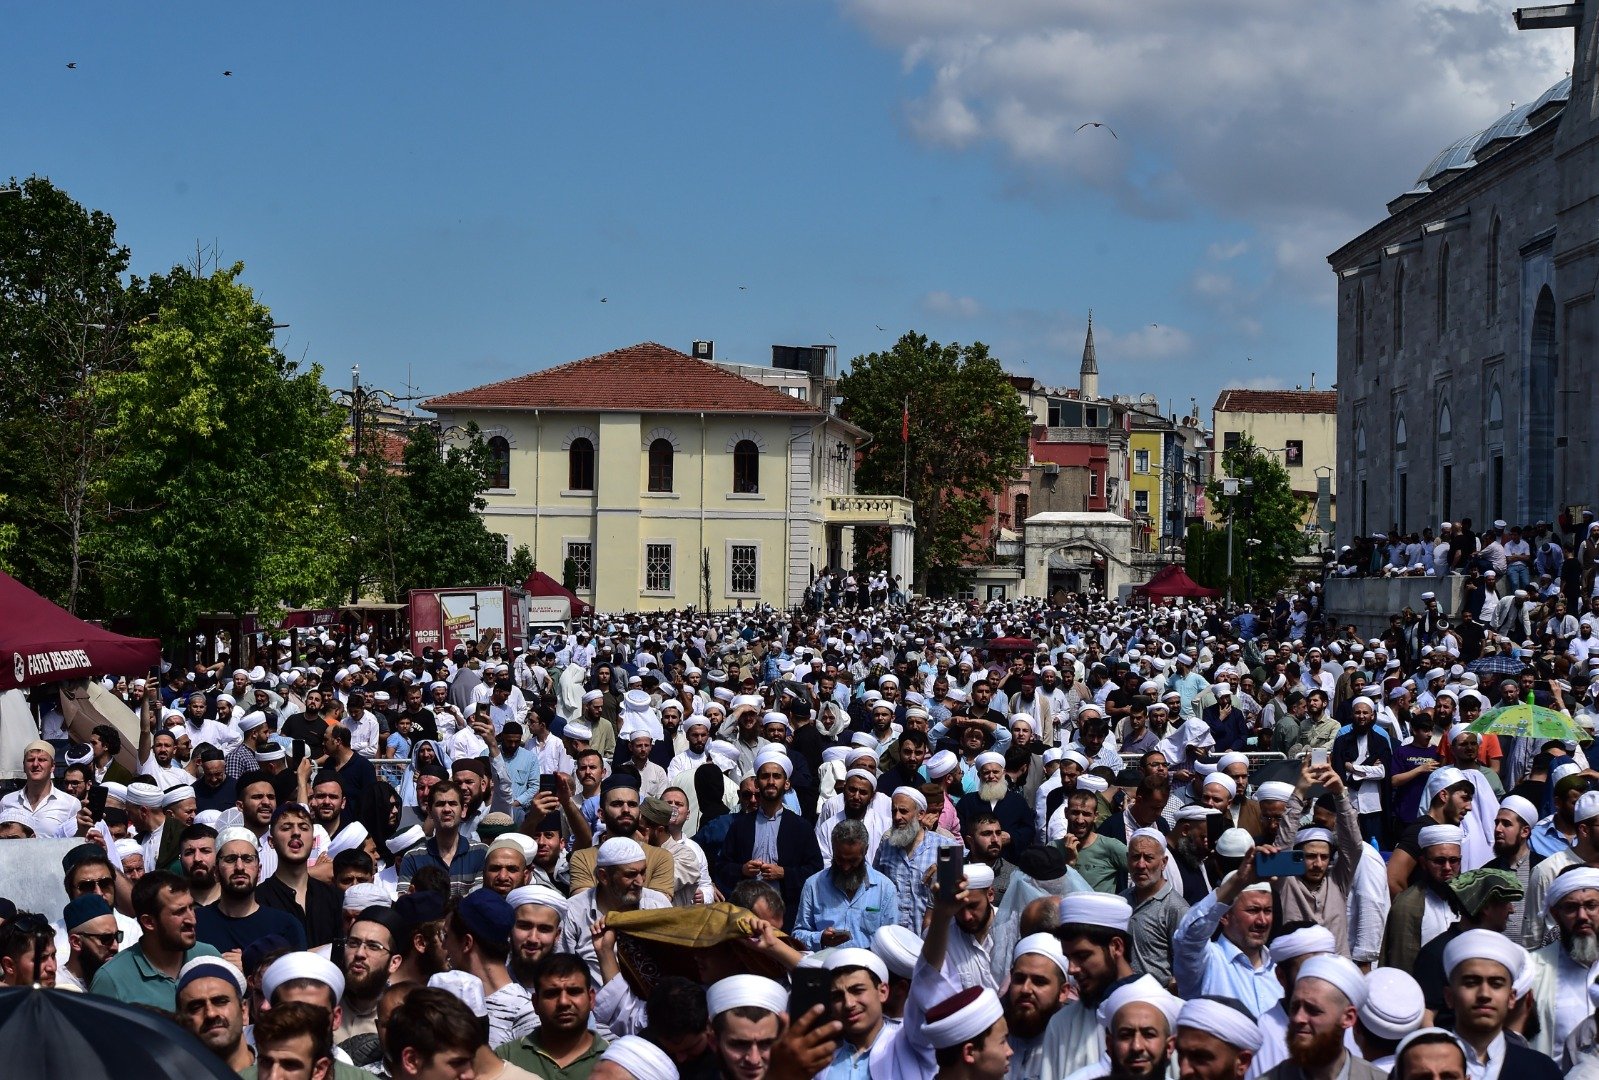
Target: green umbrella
pixel 1526 720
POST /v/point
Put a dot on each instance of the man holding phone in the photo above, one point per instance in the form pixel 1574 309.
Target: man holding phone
pixel 1320 892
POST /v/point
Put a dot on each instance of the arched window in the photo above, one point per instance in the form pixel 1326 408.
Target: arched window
pixel 1399 432
pixel 1443 290
pixel 500 451
pixel 1021 510
pixel 1496 409
pixel 661 465
pixel 1360 440
pixel 1493 272
pixel 1399 309
pixel 580 465
pixel 746 468
pixel 1446 422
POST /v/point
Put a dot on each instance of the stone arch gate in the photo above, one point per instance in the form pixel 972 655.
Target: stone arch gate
pixel 1075 552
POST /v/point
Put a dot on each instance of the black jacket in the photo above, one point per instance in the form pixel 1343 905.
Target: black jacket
pixel 797 850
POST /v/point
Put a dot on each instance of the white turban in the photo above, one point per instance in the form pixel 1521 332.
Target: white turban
pixel 862 774
pixel 1090 782
pixel 1274 791
pixel 773 756
pixel 1223 781
pixel 1569 882
pixel 1096 909
pixel 618 851
pixel 1045 945
pixel 236 833
pixel 1394 1003
pixel 143 794
pixel 642 1058
pixel 365 894
pixel 1306 941
pixel 898 947
pixel 1433 835
pixel 913 794
pixel 542 895
pixel 839 959
pixel 979 876
pixel 1521 807
pixel 941 765
pixel 351 836
pixel 1147 833
pixel 988 757
pixel 965 1023
pixel 302 965
pixel 747 991
pixel 1226 1022
pixel 464 987
pixel 1229 759
pixel 1485 945
pixel 1338 971
pixel 1145 990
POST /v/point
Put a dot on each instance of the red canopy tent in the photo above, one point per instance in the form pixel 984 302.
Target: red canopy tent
pixel 42 643
pixel 1171 581
pixel 541 584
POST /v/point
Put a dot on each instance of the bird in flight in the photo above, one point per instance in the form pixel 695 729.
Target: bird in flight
pixel 604 299
pixel 72 65
pixel 879 327
pixel 1097 124
pixel 742 288
pixel 227 73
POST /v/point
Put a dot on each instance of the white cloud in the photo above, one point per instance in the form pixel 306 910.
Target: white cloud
pixel 1300 120
pixel 943 303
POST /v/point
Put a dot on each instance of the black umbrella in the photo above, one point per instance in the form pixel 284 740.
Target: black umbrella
pixel 59 1035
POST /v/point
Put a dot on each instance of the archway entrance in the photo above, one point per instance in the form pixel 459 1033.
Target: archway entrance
pixel 1076 568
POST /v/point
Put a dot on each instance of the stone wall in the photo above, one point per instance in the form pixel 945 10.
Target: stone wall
pixel 1368 602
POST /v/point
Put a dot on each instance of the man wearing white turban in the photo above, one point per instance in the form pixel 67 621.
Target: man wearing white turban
pixel 1562 969
pixel 1321 1011
pixel 1483 968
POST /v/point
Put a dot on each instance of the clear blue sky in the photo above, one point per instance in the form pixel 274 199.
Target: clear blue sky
pixel 445 192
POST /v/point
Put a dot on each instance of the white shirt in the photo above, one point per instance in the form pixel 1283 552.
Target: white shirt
pixel 165 776
pixel 55 817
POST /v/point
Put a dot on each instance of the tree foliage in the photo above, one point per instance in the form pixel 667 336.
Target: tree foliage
pixel 1268 526
pixel 225 490
pixel 968 438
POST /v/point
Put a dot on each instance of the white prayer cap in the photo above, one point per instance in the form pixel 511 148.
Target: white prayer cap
pixel 1053 754
pixel 1223 781
pixel 1089 711
pixel 988 757
pixel 863 740
pixel 463 985
pixel 1147 833
pixel 696 720
pixel 1077 756
pixel 302 965
pixel 208 817
pixel 1521 807
pixel 913 794
pixel 1340 972
pixel 1306 941
pixel 618 851
pixel 211 967
pixel 1485 945
pixel 862 774
pixel 839 959
pixel 124 847
pixel 365 894
pixel 963 1017
pixel 772 716
pixel 144 794
pixel 226 697
pixel 1196 812
pixel 673 704
pixel 251 720
pixel 1090 782
pixel 173 796
pixel 1274 791
pixel 1571 881
pixel 1442 780
pixel 897 947
pixel 1440 834
pixel 1044 945
pixel 114 790
pixel 635 701
pixel 642 1058
pixel 1312 834
pixel 1234 843
pixel 404 841
pixel 236 833
pixel 1142 990
pixel 351 836
pixel 725 753
pixel 578 731
pixel 1587 807
pixel 542 895
pixel 941 765
pixel 748 991
pixel 1226 1022
pixel 772 755
pixel 1231 758
pixel 1105 910
pixel 515 841
pixel 979 876
pixel 1393 1005
pixel 1222 689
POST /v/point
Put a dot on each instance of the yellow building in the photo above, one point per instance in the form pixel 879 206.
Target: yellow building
pixel 1299 428
pixel 1146 471
pixel 671 482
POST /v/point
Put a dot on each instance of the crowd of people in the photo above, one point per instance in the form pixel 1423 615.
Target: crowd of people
pixel 1183 840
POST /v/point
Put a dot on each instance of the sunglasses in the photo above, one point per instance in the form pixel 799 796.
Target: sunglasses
pixel 95 884
pixel 108 938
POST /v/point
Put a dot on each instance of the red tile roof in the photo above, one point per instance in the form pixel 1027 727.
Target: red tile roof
pixel 1277 401
pixel 640 378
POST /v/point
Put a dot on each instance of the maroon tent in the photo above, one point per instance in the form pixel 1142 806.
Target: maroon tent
pixel 41 643
pixel 541 584
pixel 1171 581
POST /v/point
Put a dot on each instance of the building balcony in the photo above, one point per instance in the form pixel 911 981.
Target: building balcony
pixel 868 510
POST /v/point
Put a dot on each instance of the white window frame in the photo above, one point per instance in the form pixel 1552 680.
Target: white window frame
pixel 1093 484
pixel 1140 494
pixel 644 567
pixel 567 544
pixel 1141 461
pixel 728 583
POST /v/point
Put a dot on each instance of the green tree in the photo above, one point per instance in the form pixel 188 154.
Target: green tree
pixel 968 438
pixel 63 322
pixel 1268 524
pixel 445 542
pixel 225 485
pixel 521 566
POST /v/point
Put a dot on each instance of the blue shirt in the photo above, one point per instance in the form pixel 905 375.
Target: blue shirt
pixel 766 829
pixel 523 769
pixel 824 906
pixel 850 1063
pixel 1547 839
pixel 1203 966
pixel 905 870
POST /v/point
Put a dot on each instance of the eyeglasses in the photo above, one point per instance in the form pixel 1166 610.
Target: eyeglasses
pixel 242 857
pixel 362 945
pixel 104 939
pixel 29 923
pixel 95 884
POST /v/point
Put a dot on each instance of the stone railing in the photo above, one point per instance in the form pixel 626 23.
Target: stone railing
pixel 869 510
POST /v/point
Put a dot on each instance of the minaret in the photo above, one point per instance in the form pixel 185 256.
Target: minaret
pixel 1088 377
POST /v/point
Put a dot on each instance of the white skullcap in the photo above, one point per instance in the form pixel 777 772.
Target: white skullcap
pixel 1485 945
pixel 1077 756
pixel 1231 758
pixel 1306 941
pixel 515 841
pixel 404 841
pixel 1053 754
pixel 898 947
pixel 642 1058
pixel 774 756
pixel 1045 945
pixel 988 757
pixel 748 991
pixel 1142 990
pixel 941 765
pixel 1340 972
pixel 862 774
pixel 696 720
pixel 1096 909
pixel 913 794
pixel 839 959
pixel 124 847
pixel 1223 781
pixel 365 894
pixel 618 851
pixel 1521 807
pixel 173 796
pixel 1234 843
pixel 542 895
pixel 1440 834
pixel 1090 782
pixel 1393 1005
pixel 578 731
pixel 302 965
pixel 236 833
pixel 143 794
pixel 251 720
pixel 1312 834
pixel 1274 791
pixel 351 836
pixel 1442 780
pixel 114 790
pixel 464 986
pixel 1226 1022
pixel 774 717
pixel 965 1023
pixel 979 876
pixel 1571 881
pixel 1147 833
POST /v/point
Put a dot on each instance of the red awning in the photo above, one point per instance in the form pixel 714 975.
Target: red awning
pixel 42 643
pixel 541 584
pixel 1171 581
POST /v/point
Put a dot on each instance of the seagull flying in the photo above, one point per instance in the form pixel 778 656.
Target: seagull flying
pixel 1097 124
pixel 73 65
pixel 227 73
pixel 879 327
pixel 603 299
